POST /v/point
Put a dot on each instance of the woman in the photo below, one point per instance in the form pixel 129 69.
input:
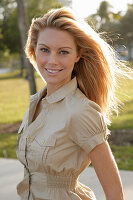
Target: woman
pixel 64 128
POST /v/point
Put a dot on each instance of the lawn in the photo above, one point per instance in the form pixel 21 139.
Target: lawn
pixel 125 118
pixel 123 156
pixel 14 97
pixel 8 145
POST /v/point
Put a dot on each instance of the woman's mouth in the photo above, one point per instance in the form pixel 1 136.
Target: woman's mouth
pixel 53 71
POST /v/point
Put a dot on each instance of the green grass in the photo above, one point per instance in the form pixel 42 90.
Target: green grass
pixel 8 145
pixel 125 118
pixel 123 154
pixel 14 97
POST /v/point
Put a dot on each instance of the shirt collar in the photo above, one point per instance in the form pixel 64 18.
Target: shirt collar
pixel 59 94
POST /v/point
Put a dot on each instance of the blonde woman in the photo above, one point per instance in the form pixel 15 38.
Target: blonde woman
pixel 65 126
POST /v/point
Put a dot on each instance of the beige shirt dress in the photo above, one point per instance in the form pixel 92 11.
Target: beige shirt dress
pixel 54 147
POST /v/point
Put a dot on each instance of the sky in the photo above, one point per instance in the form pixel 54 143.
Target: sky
pixel 85 8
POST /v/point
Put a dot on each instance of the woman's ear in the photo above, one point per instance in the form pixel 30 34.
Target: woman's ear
pixel 77 59
pixel 79 55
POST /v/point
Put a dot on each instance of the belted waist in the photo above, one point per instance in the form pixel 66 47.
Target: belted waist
pixel 40 181
pixel 53 181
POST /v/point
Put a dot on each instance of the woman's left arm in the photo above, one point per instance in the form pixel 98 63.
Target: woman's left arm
pixel 106 169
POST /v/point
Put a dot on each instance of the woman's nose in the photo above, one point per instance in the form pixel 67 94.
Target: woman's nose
pixel 53 59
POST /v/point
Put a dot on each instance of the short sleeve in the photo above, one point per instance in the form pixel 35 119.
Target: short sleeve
pixel 87 126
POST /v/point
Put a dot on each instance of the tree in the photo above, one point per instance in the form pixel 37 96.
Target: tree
pixel 107 22
pixel 126 27
pixel 9 30
pixel 126 30
pixel 104 11
pixel 9 33
pixel 23 27
pixel 102 17
pixel 10 41
pixel 40 7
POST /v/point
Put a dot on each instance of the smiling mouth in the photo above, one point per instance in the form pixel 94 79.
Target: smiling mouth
pixel 53 71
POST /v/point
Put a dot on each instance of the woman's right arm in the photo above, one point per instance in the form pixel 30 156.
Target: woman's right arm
pixel 107 171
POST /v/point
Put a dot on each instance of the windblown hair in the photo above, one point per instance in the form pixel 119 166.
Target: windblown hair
pixel 98 67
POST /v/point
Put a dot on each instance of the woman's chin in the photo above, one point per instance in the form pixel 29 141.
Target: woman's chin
pixel 51 81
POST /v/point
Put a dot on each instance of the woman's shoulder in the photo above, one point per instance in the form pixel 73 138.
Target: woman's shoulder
pixel 80 103
pixel 86 122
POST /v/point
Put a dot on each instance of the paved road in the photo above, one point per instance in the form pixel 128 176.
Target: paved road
pixel 11 172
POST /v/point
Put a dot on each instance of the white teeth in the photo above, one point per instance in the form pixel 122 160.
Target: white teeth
pixel 52 71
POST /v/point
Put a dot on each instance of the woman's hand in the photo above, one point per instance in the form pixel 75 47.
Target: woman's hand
pixel 107 171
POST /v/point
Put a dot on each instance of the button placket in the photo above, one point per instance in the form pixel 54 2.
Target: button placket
pixel 37 124
pixel 30 133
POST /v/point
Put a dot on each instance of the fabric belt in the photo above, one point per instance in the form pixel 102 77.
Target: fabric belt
pixel 37 181
pixel 53 181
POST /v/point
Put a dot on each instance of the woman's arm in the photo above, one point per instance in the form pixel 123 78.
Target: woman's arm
pixel 107 171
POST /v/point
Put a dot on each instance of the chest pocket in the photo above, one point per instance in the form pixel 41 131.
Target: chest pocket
pixel 47 142
pixel 46 145
pixel 20 147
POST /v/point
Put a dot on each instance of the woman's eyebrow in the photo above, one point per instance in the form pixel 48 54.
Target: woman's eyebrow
pixel 65 47
pixel 42 44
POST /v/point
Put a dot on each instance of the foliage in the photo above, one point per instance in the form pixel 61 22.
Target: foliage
pixel 11 36
pixel 116 25
pixel 104 11
pixel 125 27
pixel 9 31
pixel 40 7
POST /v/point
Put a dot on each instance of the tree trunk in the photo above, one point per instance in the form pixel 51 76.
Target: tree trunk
pixel 23 27
pixel 22 62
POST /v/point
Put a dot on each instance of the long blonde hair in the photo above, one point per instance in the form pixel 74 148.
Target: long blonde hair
pixel 98 67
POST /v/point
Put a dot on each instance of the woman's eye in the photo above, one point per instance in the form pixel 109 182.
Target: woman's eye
pixel 44 50
pixel 64 52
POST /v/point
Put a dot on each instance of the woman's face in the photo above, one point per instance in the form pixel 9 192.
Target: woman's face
pixel 56 54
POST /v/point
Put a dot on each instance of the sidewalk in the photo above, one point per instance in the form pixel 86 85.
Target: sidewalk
pixel 11 173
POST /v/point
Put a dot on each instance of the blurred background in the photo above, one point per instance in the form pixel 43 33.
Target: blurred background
pixel 18 79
